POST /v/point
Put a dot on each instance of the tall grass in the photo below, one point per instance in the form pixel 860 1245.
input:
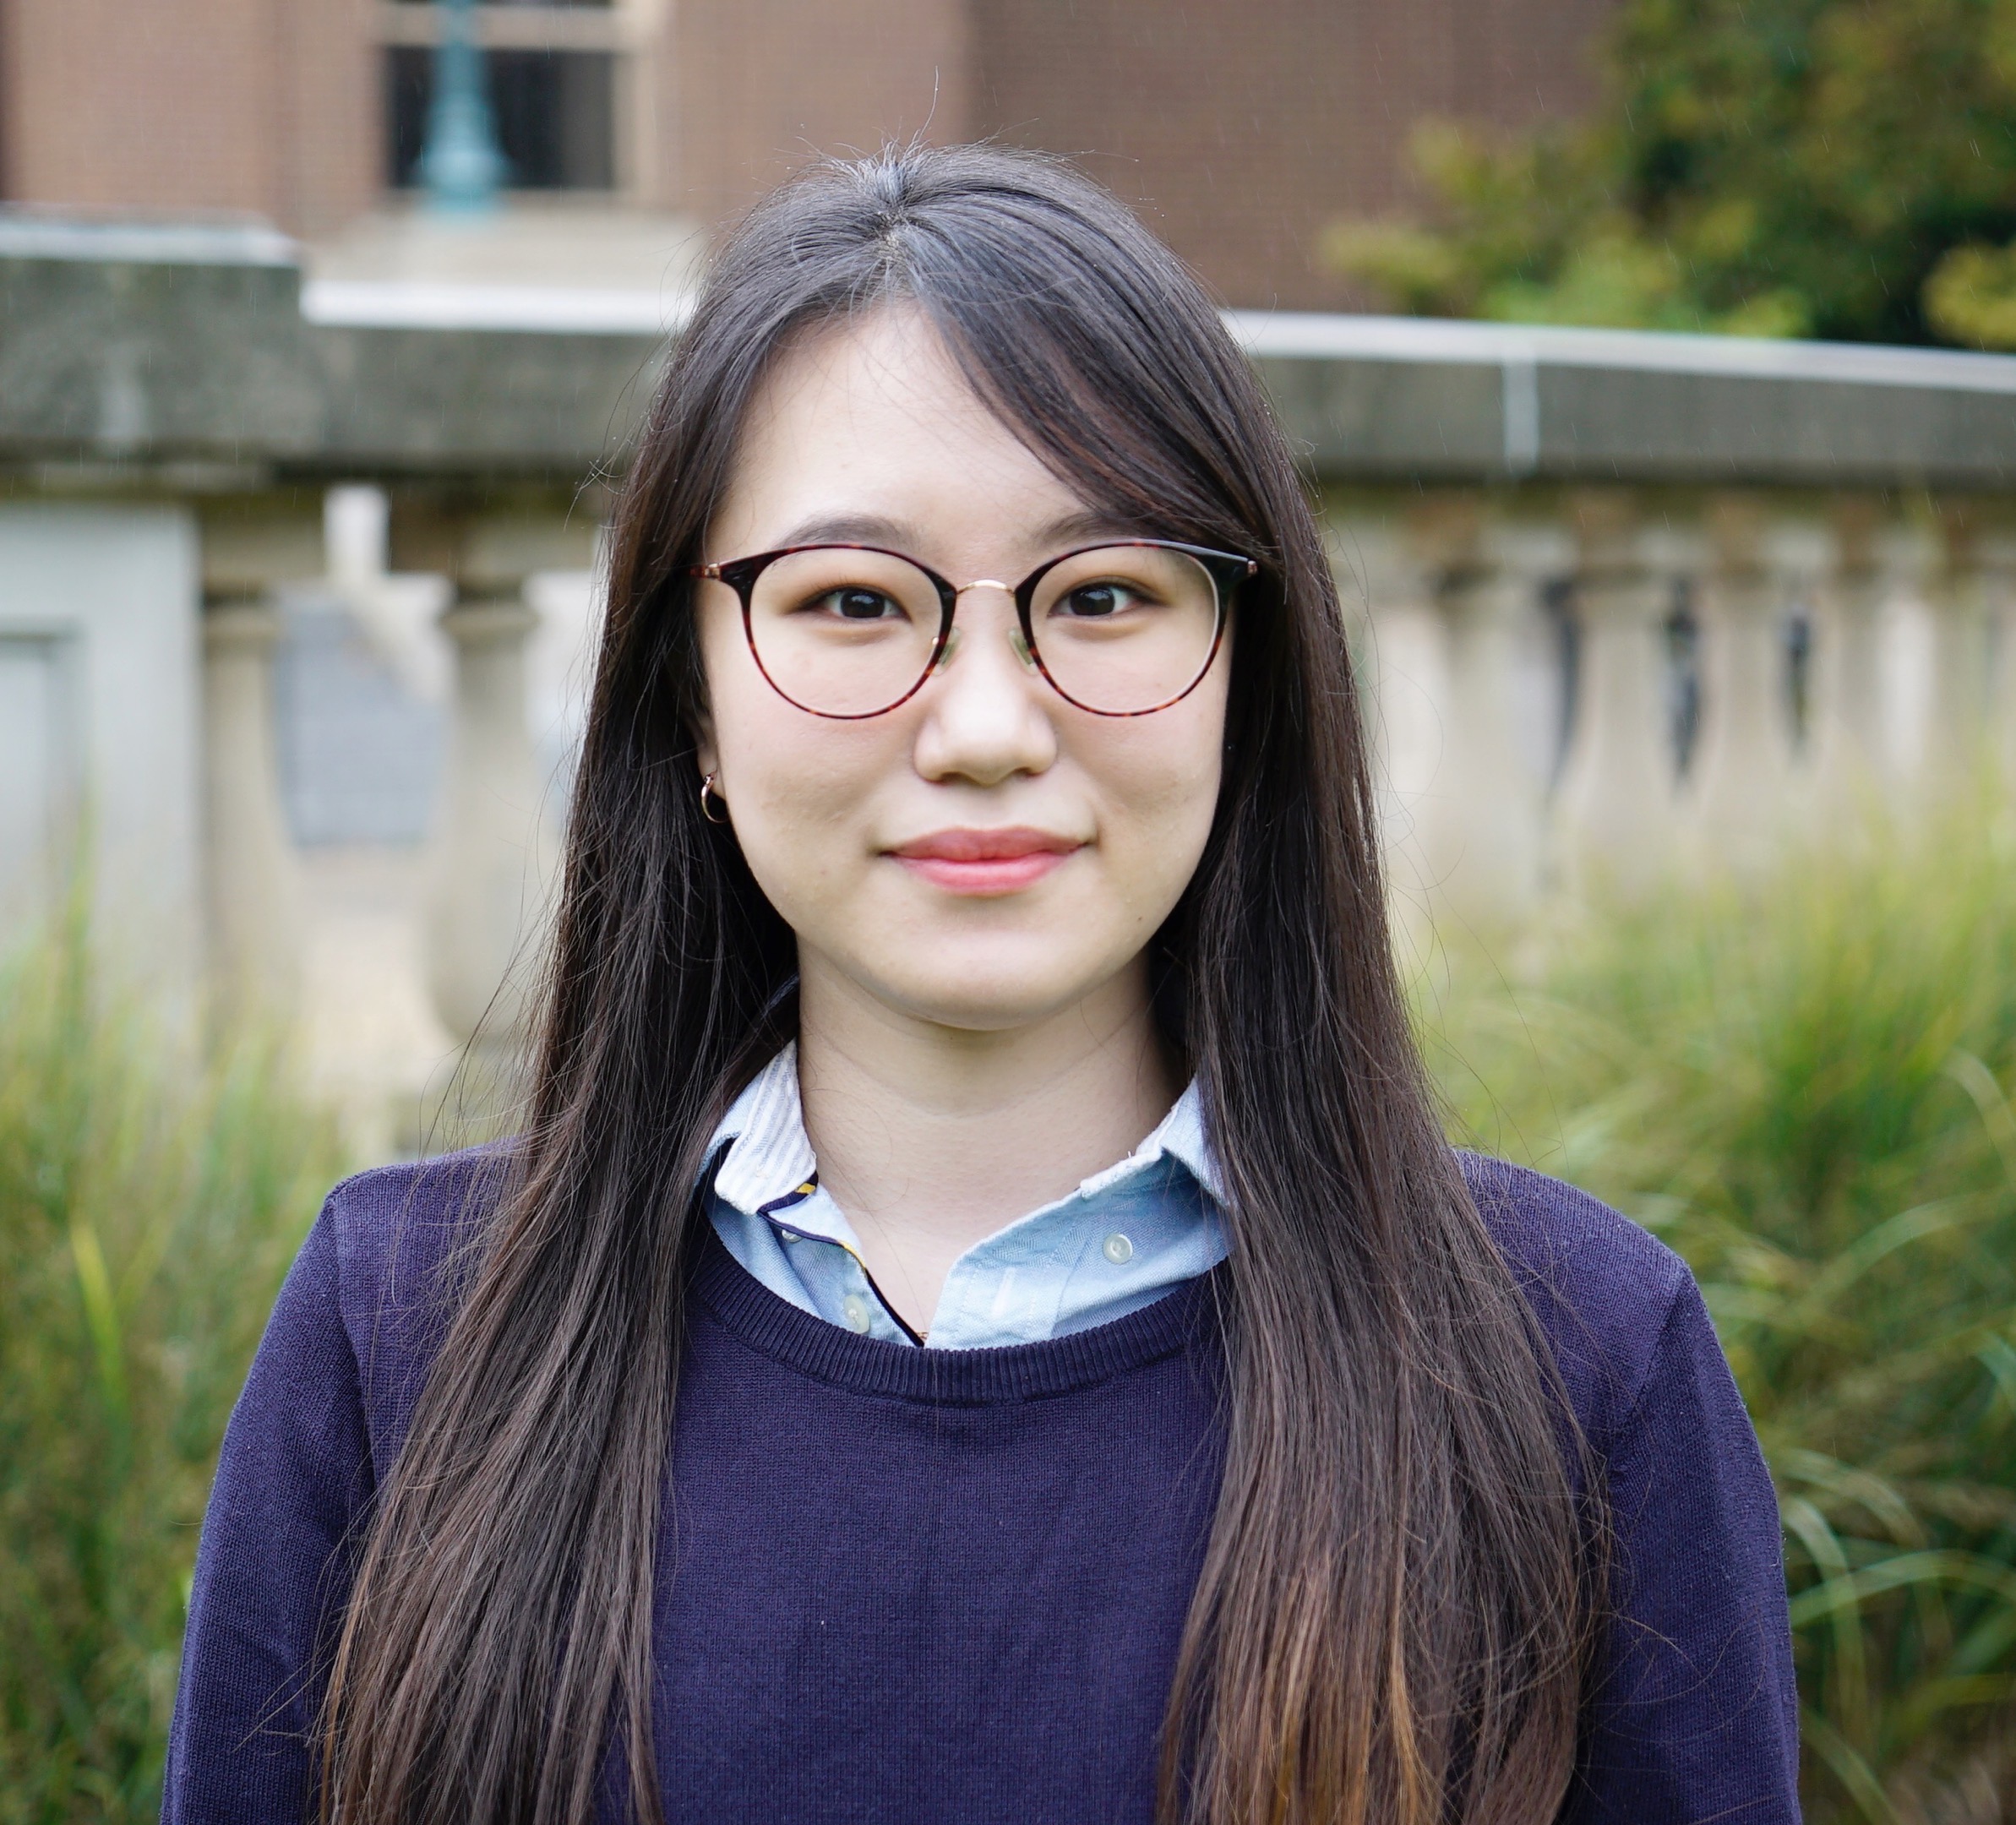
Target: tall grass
pixel 1805 1088
pixel 150 1204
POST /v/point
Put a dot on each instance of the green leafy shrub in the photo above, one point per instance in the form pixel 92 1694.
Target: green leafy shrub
pixel 1768 168
pixel 1806 1091
pixel 150 1204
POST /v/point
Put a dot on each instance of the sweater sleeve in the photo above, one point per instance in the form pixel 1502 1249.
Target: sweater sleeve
pixel 272 1566
pixel 1695 1716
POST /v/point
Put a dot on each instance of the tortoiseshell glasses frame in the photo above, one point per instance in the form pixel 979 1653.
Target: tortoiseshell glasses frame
pixel 1226 571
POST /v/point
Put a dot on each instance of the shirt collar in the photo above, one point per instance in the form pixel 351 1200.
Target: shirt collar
pixel 771 1155
pixel 771 1165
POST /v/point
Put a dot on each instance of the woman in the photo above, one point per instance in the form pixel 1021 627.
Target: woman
pixel 831 1407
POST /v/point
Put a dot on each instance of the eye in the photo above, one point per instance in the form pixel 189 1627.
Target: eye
pixel 859 603
pixel 1097 602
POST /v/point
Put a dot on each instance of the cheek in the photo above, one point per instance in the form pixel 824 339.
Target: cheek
pixel 1159 783
pixel 795 786
pixel 761 744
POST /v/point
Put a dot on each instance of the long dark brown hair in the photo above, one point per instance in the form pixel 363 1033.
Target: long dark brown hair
pixel 1392 1622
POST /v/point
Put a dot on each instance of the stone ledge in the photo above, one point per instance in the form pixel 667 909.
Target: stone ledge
pixel 159 350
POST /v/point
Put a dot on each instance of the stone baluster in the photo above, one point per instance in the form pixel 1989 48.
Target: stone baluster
pixel 254 900
pixel 1910 564
pixel 1994 566
pixel 494 852
pixel 1741 802
pixel 1616 823
pixel 1911 578
pixel 1965 603
pixel 1848 742
pixel 1389 572
pixel 1492 834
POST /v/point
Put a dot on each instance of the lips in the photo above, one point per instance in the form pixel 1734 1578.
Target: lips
pixel 986 862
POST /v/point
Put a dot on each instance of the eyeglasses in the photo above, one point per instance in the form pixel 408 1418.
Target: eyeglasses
pixel 849 631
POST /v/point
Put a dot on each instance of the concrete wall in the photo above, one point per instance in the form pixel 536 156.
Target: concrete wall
pixel 99 700
pixel 185 355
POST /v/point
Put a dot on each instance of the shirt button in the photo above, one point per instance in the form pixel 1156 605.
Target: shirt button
pixel 1117 1249
pixel 854 1309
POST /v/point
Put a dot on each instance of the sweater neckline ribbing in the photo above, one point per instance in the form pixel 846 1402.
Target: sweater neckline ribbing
pixel 803 1340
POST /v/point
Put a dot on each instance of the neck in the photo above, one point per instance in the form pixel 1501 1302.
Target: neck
pixel 930 1138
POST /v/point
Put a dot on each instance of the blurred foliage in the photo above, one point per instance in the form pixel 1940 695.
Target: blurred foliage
pixel 149 1205
pixel 1772 167
pixel 1805 1089
pixel 1806 1092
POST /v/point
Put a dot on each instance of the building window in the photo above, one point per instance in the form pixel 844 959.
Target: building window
pixel 604 4
pixel 554 111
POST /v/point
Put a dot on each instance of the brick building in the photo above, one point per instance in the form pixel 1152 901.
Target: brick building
pixel 1242 125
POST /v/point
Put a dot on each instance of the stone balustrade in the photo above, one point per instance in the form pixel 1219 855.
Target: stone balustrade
pixel 1729 672
pixel 250 547
pixel 495 841
pixel 1627 606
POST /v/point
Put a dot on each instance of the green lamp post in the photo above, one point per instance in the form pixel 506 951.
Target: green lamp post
pixel 460 165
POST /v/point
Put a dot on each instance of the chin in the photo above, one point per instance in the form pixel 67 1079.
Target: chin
pixel 985 995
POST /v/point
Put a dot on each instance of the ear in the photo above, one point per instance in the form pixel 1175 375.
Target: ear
pixel 700 721
pixel 699 693
pixel 703 750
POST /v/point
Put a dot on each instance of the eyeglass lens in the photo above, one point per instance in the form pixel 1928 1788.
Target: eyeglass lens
pixel 846 633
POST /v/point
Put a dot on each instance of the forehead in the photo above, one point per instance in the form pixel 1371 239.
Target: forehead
pixel 870 423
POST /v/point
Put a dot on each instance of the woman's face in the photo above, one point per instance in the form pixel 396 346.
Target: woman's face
pixel 985 855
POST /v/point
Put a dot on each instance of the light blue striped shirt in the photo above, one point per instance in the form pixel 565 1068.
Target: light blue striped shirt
pixel 1124 1238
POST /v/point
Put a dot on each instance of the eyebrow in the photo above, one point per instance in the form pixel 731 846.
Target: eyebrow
pixel 847 529
pixel 873 529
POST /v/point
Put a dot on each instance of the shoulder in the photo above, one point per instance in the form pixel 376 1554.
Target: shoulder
pixel 401 1237
pixel 410 1215
pixel 1695 1710
pixel 1605 1291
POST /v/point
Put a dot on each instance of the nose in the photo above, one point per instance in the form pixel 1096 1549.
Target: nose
pixel 985 718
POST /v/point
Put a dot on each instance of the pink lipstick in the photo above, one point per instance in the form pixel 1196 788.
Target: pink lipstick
pixel 986 862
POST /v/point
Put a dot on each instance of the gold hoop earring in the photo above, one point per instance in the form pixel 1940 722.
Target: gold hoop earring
pixel 708 798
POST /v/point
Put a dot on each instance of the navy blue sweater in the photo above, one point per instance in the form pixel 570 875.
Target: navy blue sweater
pixel 943 1587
